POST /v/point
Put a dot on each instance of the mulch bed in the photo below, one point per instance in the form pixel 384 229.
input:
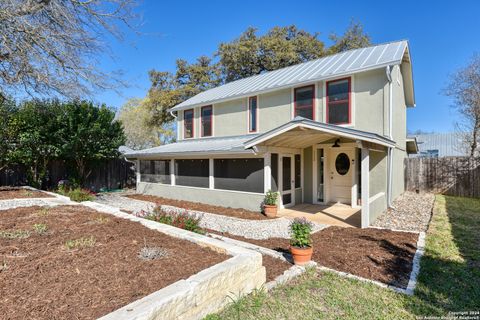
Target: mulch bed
pixel 42 279
pixel 382 255
pixel 274 266
pixel 237 213
pixel 8 193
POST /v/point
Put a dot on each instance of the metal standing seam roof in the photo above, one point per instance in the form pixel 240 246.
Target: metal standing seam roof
pixel 243 144
pixel 448 144
pixel 344 63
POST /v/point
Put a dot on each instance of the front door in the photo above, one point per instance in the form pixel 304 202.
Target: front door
pixel 341 175
pixel 287 182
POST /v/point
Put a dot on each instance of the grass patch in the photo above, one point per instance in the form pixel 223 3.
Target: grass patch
pixel 14 234
pixel 77 194
pixel 448 280
pixel 84 242
pixel 40 228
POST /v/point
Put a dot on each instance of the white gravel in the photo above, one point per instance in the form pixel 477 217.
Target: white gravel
pixel 253 229
pixel 29 202
pixel 412 213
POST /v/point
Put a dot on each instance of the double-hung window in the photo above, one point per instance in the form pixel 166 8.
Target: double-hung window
pixel 188 123
pixel 338 101
pixel 206 116
pixel 305 102
pixel 252 114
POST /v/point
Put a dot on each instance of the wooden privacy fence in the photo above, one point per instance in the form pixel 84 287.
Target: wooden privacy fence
pixel 110 174
pixel 455 176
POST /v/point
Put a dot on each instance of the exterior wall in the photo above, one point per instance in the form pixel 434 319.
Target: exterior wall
pixel 398 183
pixel 368 101
pixel 230 118
pixel 378 184
pixel 275 109
pixel 307 175
pixel 224 198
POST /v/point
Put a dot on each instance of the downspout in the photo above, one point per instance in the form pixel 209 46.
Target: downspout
pixel 388 71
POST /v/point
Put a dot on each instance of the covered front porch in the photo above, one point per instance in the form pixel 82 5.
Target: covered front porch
pixel 336 214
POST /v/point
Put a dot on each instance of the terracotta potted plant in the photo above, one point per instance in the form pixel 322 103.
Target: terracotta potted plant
pixel 301 242
pixel 270 204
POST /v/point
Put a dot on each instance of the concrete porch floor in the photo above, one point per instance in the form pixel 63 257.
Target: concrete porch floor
pixel 337 214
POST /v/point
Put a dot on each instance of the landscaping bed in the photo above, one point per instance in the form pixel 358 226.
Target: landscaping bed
pixel 274 267
pixel 195 206
pixel 74 262
pixel 8 193
pixel 376 254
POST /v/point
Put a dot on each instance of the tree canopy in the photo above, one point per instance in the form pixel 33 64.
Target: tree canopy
pixel 249 54
pixel 39 131
pixel 53 46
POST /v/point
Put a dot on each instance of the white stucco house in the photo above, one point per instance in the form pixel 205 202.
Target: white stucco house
pixel 331 130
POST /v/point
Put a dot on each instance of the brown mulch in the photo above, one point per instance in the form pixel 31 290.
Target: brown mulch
pixel 231 212
pixel 8 193
pixel 42 279
pixel 274 266
pixel 381 255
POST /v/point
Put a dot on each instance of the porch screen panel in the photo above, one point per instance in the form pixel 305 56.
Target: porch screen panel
pixel 274 171
pixel 157 171
pixel 239 174
pixel 191 172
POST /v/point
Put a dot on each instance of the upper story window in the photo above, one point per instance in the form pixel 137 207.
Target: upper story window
pixel 305 102
pixel 188 123
pixel 252 114
pixel 206 117
pixel 338 101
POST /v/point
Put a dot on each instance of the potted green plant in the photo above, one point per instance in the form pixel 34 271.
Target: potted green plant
pixel 301 242
pixel 270 204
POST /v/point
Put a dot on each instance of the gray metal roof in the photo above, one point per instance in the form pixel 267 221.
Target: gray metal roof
pixel 325 128
pixel 203 146
pixel 243 144
pixel 344 63
pixel 441 145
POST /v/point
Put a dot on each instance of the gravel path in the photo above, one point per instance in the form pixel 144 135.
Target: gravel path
pixel 253 229
pixel 412 213
pixel 29 202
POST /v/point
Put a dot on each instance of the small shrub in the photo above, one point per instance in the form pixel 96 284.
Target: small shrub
pixel 40 228
pixel 84 242
pixel 43 212
pixel 15 234
pixel 181 219
pixel 151 253
pixel 271 198
pixel 300 230
pixel 80 195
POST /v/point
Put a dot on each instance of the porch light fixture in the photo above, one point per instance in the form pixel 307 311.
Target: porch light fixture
pixel 336 145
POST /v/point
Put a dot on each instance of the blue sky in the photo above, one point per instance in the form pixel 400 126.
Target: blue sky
pixel 443 37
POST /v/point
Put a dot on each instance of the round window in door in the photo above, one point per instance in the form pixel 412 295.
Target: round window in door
pixel 342 164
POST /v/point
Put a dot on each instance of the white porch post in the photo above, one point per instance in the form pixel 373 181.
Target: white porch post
pixel 172 172
pixel 267 172
pixel 138 174
pixel 211 181
pixel 365 187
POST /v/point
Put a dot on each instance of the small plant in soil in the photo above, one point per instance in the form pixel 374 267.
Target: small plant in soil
pixel 181 219
pixel 14 234
pixel 3 266
pixel 151 253
pixel 43 212
pixel 40 228
pixel 270 204
pixel 84 242
pixel 77 194
pixel 101 219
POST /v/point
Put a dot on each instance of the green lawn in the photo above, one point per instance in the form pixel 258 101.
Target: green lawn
pixel 449 280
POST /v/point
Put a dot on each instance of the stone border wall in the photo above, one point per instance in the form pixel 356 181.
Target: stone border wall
pixel 203 293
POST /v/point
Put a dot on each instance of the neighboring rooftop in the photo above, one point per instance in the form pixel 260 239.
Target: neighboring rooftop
pixel 434 145
pixel 348 62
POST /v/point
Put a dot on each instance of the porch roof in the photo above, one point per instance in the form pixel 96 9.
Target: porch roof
pixel 302 133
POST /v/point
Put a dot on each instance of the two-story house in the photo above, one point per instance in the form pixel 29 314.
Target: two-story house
pixel 331 130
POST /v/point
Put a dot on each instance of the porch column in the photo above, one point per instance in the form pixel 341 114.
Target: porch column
pixel 172 172
pixel 211 181
pixel 365 167
pixel 267 172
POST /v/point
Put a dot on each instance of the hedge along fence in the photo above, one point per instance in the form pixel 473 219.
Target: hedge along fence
pixel 109 174
pixel 454 176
